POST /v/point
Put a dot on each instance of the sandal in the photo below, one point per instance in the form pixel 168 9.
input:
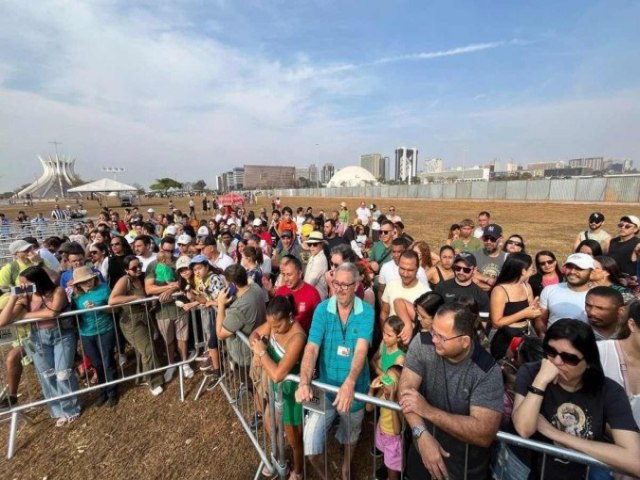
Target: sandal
pixel 61 422
pixel 73 418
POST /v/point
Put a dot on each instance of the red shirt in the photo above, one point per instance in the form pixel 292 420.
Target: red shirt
pixel 306 299
pixel 266 236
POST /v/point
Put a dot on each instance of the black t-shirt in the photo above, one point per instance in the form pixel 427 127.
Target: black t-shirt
pixel 621 252
pixel 451 292
pixel 582 414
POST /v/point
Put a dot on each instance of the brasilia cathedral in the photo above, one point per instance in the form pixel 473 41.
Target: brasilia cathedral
pixel 57 178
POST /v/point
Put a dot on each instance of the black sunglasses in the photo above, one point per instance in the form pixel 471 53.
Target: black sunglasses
pixel 546 262
pixel 568 358
pixel 514 242
pixel 460 268
pixel 488 238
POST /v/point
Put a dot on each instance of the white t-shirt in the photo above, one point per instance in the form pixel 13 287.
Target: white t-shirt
pixel 222 262
pixel 478 232
pixel 563 303
pixel 390 271
pixel 364 214
pixel 144 262
pixel 395 290
pixel 611 367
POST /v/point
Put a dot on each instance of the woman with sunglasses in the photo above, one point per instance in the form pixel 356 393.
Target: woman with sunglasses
pixel 514 244
pixel 625 247
pixel 547 272
pixel 513 305
pixel 566 400
pixel 99 256
pixel 134 319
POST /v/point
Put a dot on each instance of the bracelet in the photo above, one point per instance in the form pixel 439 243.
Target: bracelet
pixel 535 390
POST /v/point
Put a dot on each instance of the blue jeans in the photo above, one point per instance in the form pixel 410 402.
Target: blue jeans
pixel 53 351
pixel 100 349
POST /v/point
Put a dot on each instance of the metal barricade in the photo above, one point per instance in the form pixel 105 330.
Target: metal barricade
pixel 16 230
pixel 52 346
pixel 365 447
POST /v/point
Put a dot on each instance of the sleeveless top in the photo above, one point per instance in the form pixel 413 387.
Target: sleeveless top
pixel 514 307
pixel 276 352
pixel 388 359
pixel 40 303
pixel 621 252
pixel 138 309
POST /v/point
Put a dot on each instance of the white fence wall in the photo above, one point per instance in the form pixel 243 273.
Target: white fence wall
pixel 607 189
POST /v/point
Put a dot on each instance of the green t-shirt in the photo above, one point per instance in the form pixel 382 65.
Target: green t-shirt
pixel 98 322
pixel 380 254
pixel 473 245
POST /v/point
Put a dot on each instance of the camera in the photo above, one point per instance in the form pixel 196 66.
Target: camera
pixel 29 289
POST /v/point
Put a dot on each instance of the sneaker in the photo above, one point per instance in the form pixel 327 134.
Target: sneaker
pixel 168 374
pixel 256 422
pixel 157 390
pixel 205 364
pixel 214 380
pixel 7 402
pixel 187 371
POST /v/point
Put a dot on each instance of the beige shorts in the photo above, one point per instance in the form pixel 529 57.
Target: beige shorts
pixel 175 328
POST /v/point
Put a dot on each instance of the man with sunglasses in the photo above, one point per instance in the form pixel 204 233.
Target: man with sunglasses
pixel 462 285
pixel 625 248
pixel 566 299
pixel 594 232
pixel 381 251
pixel 490 258
pixel 451 396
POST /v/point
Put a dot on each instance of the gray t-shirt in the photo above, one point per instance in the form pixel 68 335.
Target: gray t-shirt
pixel 245 314
pixel 489 266
pixel 455 388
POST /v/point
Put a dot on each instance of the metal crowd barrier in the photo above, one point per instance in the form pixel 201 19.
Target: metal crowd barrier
pixel 67 322
pixel 271 446
pixel 16 230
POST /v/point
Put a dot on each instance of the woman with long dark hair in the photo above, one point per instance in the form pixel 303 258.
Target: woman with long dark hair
pixel 512 303
pixel 565 399
pixel 547 272
pixel 52 344
pixel 608 274
pixel 590 247
pixel 120 248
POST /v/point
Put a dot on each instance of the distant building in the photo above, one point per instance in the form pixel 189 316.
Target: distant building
pixel 374 163
pixel 302 172
pixel 406 164
pixel 353 176
pixel 218 183
pixel 238 178
pixel 327 172
pixel 314 175
pixel 58 176
pixel 229 184
pixel 595 163
pixel 459 175
pixel 512 166
pixel 268 176
pixel 568 172
pixel 433 165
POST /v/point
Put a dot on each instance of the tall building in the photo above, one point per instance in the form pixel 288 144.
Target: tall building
pixel 238 178
pixel 314 175
pixel 406 164
pixel 228 181
pixel 433 165
pixel 596 163
pixel 218 183
pixel 374 163
pixel 269 176
pixel 328 170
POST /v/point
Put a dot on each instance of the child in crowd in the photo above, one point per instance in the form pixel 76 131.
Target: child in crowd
pixel 392 350
pixel 388 437
pixel 164 271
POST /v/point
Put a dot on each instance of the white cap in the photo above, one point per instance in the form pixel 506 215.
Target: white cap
pixel 231 221
pixel 183 262
pixel 151 210
pixel 203 231
pixel 170 230
pixel 581 260
pixel 257 222
pixel 184 239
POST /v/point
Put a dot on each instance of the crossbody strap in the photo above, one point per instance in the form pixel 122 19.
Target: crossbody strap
pixel 623 367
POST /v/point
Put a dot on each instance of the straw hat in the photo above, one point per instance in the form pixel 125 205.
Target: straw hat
pixel 82 274
pixel 316 237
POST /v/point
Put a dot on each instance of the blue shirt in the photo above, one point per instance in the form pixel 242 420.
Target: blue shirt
pixel 331 335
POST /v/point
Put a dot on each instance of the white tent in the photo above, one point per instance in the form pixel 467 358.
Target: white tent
pixel 103 185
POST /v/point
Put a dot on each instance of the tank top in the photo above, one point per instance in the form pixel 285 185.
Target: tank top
pixel 388 359
pixel 513 307
pixel 40 303
pixel 621 253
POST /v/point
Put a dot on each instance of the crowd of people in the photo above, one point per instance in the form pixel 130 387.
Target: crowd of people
pixel 468 337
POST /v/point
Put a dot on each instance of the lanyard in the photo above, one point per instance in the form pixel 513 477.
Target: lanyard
pixel 343 328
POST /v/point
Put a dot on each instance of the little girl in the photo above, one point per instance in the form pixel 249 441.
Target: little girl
pixel 388 437
pixel 391 351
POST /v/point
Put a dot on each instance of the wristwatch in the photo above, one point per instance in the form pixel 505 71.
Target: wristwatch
pixel 417 431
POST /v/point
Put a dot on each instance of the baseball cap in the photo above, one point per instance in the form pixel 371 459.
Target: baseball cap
pixel 170 230
pixel 631 219
pixel 231 221
pixel 306 230
pixel 581 260
pixel 286 233
pixel 492 230
pixel 19 246
pixel 596 217
pixel 199 259
pixel 467 258
pixel 184 239
pixel 203 231
pixel 183 262
pixel 257 222
pixel 151 210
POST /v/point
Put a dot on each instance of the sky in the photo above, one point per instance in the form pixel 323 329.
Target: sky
pixel 189 89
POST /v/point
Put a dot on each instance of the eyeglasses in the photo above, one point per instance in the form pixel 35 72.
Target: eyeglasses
pixel 625 225
pixel 385 232
pixel 514 242
pixel 595 223
pixel 136 268
pixel 94 252
pixel 460 268
pixel 167 251
pixel 343 286
pixel 567 358
pixel 546 262
pixel 488 238
pixel 442 338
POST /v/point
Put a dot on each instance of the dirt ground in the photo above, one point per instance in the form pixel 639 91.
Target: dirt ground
pixel 161 437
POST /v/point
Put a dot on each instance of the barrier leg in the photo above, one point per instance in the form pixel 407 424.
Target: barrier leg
pixel 13 431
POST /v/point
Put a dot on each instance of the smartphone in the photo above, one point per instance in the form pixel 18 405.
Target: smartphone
pixel 29 289
pixel 232 290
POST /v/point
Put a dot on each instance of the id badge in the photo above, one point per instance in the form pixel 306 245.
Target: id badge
pixel 344 351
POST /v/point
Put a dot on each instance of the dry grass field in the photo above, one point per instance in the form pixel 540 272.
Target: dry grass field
pixel 149 438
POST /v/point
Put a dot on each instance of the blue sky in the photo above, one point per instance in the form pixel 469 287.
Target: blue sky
pixel 189 89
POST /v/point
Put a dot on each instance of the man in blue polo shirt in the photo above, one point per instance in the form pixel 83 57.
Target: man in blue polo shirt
pixel 339 339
